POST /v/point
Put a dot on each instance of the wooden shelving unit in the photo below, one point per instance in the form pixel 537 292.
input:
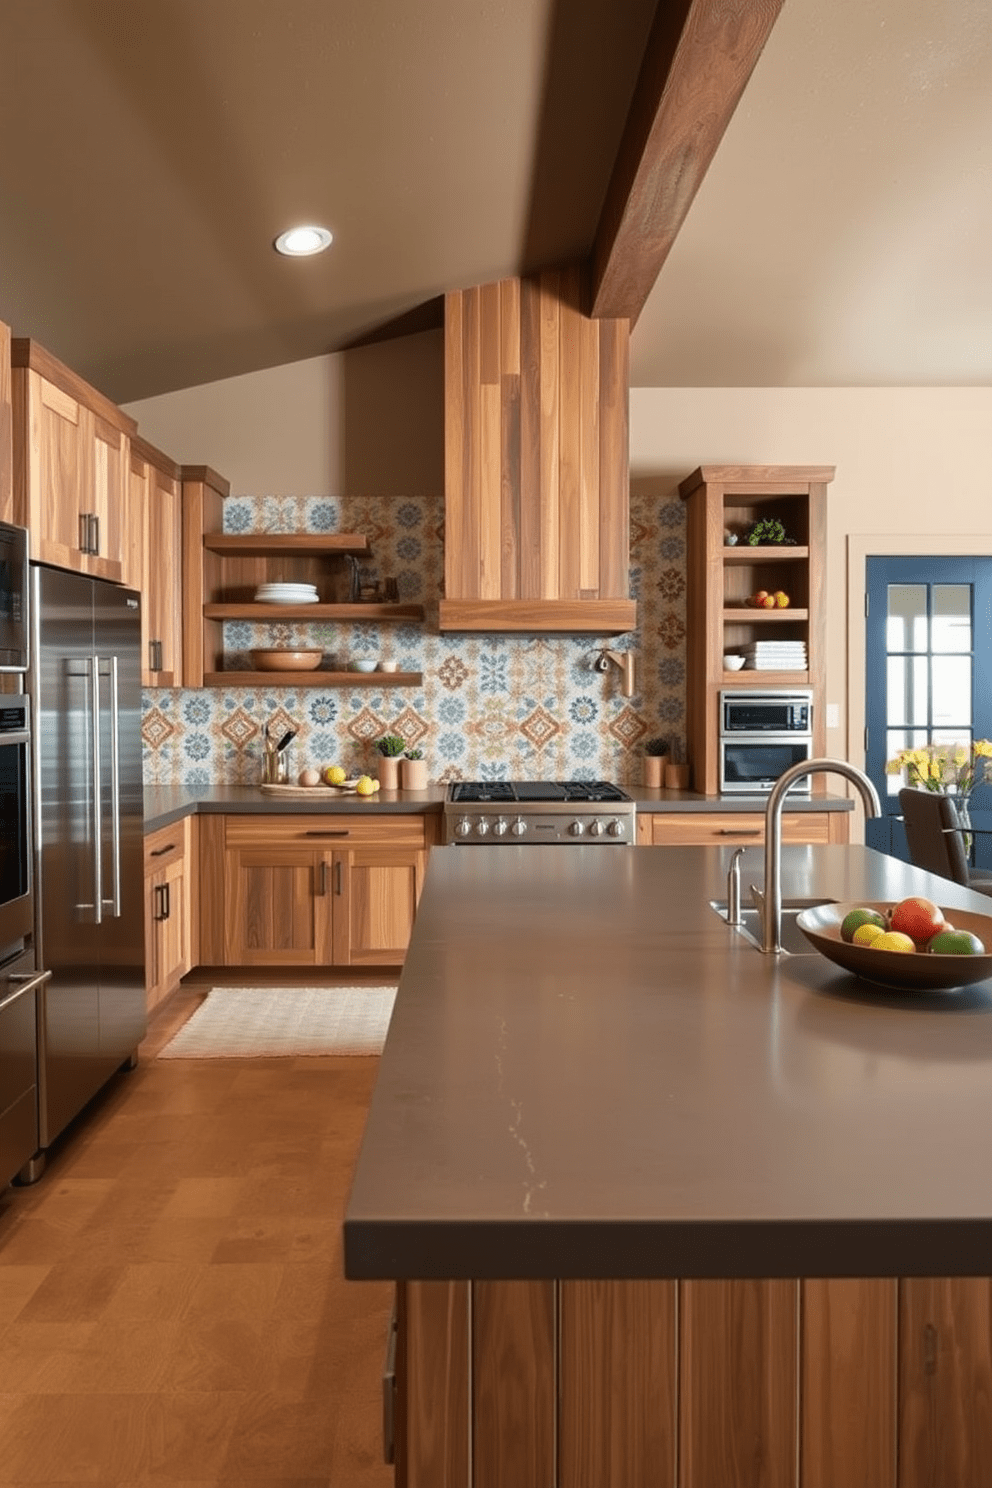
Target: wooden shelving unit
pixel 222 572
pixel 723 498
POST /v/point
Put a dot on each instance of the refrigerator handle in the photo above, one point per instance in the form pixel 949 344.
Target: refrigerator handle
pixel 115 793
pixel 97 838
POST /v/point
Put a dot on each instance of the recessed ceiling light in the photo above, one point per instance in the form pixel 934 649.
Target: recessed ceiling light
pixel 298 242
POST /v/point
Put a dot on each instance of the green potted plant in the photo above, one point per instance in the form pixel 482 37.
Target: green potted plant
pixel 413 770
pixel 389 749
pixel 655 751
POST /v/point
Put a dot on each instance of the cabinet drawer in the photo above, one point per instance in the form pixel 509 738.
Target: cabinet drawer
pixel 165 846
pixel 727 829
pixel 328 831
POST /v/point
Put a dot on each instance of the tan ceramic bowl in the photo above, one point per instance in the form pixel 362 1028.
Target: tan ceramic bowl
pixel 286 661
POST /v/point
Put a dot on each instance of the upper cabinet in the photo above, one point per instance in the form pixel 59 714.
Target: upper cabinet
pixel 729 500
pixel 536 461
pixel 155 505
pixel 71 469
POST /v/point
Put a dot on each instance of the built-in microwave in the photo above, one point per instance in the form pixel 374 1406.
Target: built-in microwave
pixel 13 598
pixel 762 733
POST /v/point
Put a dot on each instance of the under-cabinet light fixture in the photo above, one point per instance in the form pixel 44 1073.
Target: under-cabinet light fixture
pixel 300 242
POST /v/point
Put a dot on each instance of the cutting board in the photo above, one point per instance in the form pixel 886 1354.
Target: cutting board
pixel 347 788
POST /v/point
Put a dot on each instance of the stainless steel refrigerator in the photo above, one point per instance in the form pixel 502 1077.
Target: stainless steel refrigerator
pixel 85 683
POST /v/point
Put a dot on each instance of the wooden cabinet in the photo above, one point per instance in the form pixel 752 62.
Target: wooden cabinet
pixel 849 1382
pixel 71 454
pixel 170 908
pixel 6 430
pixel 736 828
pixel 311 890
pixel 155 500
pixel 732 498
pixel 221 572
pixel 536 485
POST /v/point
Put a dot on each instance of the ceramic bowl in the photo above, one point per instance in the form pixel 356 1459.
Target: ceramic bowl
pixel 733 663
pixel 387 666
pixel 364 664
pixel 916 972
pixel 286 661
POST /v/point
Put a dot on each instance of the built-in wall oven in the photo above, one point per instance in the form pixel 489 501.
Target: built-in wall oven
pixel 762 733
pixel 13 598
pixel 16 873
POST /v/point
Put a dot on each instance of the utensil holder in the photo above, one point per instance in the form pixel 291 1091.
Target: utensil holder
pixel 275 767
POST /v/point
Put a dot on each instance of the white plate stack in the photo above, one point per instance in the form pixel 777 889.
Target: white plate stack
pixel 775 656
pixel 286 594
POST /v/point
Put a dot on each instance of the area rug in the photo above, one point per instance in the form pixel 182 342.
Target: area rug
pixel 263 1022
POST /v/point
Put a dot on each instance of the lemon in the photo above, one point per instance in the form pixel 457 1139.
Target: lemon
pixel 866 934
pixel 364 786
pixel 334 775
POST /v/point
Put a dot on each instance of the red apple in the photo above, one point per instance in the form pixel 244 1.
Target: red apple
pixel 760 598
pixel 918 918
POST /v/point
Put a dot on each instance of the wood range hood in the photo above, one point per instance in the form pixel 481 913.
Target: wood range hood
pixel 536 461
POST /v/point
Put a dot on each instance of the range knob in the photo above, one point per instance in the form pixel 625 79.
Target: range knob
pixel 596 827
pixel 482 827
pixel 576 829
pixel 500 826
pixel 519 827
pixel 463 826
pixel 615 827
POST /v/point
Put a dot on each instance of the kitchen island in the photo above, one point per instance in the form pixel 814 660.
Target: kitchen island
pixel 664 1209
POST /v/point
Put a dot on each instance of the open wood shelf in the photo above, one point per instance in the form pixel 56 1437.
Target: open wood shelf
pixel 754 677
pixel 754 615
pixel 251 610
pixel 270 544
pixel 313 679
pixel 770 553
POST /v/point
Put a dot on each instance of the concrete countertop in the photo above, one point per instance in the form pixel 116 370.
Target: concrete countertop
pixel 589 1074
pixel 165 804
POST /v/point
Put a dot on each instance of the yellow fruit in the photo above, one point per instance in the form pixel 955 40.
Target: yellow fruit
pixel 364 786
pixel 375 785
pixel 334 775
pixel 866 934
pixel 893 940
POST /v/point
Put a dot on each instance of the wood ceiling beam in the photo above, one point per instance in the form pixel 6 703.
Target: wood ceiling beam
pixel 697 62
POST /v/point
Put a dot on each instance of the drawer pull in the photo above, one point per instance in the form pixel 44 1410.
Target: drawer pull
pixel 23 983
pixel 738 832
pixel 157 852
pixel 343 832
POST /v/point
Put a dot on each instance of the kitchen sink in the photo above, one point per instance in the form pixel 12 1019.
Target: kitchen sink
pixel 792 938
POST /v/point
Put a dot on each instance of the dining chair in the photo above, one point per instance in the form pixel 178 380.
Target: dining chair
pixel 933 836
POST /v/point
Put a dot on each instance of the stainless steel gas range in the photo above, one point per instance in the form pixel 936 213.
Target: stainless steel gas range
pixel 515 813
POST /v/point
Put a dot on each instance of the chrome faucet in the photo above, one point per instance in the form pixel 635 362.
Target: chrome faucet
pixel 769 900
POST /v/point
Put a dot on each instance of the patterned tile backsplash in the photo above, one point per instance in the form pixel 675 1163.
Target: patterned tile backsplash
pixel 490 707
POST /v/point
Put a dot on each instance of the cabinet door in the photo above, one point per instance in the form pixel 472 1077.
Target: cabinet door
pixel 56 472
pixel 848 1391
pixel 277 907
pixel 156 496
pixel 106 453
pixel 167 930
pixel 738 1376
pixel 376 890
pixel 945 1382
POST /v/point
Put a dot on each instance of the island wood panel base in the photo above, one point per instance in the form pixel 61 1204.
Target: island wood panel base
pixel 816 1383
pixel 737 829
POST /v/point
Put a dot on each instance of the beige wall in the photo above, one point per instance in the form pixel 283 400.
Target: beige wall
pixel 368 422
pixel 912 477
pixel 912 463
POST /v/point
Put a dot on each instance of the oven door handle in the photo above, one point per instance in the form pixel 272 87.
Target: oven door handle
pixel 26 981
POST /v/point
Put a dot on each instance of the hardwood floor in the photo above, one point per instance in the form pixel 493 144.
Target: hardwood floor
pixel 172 1306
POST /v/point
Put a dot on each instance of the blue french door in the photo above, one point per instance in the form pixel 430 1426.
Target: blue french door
pixel 928 674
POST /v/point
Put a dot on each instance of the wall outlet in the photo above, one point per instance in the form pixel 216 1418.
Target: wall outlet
pixel 833 715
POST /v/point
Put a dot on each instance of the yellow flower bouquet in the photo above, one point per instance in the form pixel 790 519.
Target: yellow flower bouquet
pixel 947 768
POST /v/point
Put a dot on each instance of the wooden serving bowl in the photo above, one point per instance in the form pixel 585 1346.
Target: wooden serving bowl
pixel 275 660
pixel 916 972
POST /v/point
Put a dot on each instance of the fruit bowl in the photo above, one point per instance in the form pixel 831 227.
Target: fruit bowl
pixel 275 660
pixel 917 971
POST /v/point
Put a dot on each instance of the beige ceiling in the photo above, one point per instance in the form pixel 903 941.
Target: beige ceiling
pixel 154 149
